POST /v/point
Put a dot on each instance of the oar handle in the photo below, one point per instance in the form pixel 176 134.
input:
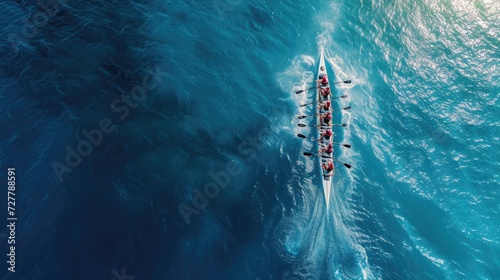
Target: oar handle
pixel 302 90
pixel 323 126
pixel 311 154
pixel 342 96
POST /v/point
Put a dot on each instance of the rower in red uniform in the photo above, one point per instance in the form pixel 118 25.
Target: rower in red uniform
pixel 328 150
pixel 325 92
pixel 323 80
pixel 329 167
pixel 325 106
pixel 326 118
pixel 327 134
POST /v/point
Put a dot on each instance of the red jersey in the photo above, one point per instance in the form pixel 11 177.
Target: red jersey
pixel 329 149
pixel 329 167
pixel 324 80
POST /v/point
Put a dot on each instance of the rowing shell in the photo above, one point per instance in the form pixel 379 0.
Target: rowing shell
pixel 325 178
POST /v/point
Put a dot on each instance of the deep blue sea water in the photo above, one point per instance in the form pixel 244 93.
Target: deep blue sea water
pixel 217 113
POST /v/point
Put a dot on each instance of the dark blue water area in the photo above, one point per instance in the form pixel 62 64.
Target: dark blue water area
pixel 118 208
pixel 183 113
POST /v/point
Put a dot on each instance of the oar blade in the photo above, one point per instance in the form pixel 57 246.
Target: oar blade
pixel 347 145
pixel 302 90
pixel 347 82
pixel 347 165
pixel 308 154
pixel 301 135
pixel 344 96
pixel 344 125
pixel 301 117
pixel 301 125
pixel 347 108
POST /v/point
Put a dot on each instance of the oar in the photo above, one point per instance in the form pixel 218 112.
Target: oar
pixel 304 125
pixel 341 144
pixel 334 143
pixel 343 96
pixel 302 90
pixel 345 108
pixel 310 154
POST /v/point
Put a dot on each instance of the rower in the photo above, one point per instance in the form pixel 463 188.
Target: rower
pixel 327 134
pixel 323 80
pixel 325 106
pixel 325 92
pixel 328 150
pixel 326 118
pixel 328 167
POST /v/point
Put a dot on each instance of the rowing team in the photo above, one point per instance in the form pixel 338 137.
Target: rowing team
pixel 325 119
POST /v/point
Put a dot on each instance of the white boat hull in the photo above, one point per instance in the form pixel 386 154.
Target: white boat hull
pixel 326 180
